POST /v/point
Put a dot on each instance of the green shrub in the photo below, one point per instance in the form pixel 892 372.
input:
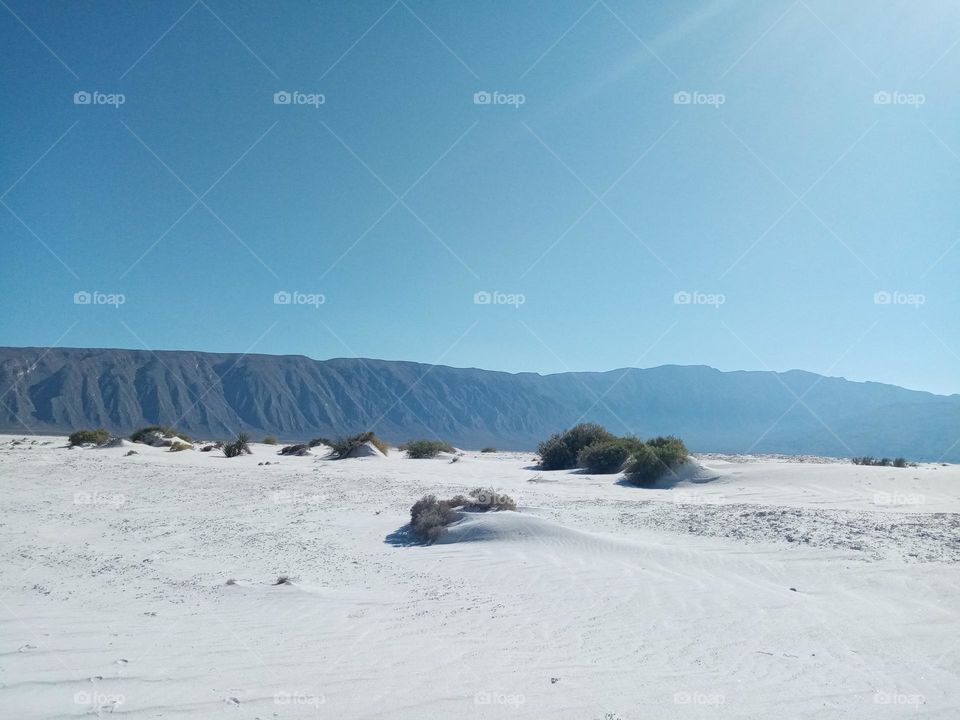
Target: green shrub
pixel 425 449
pixel 488 450
pixel 342 447
pixel 240 446
pixel 559 451
pixel 164 430
pixel 608 456
pixel 669 449
pixel 644 466
pixel 270 440
pixel 654 459
pixel 82 437
pixel 555 455
pixel 882 462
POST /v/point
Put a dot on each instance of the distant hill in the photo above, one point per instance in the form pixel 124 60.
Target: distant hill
pixel 212 395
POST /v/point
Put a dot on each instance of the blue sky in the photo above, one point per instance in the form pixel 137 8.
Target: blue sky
pixel 747 185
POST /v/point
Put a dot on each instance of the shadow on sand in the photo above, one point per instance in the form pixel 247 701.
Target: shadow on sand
pixel 404 537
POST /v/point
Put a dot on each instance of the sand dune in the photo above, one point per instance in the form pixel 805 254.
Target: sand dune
pixel 778 589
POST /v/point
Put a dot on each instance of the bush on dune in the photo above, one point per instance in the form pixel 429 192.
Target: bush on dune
pixel 669 449
pixel 342 447
pixel 320 441
pixel 425 449
pixel 82 437
pixel 592 447
pixel 298 449
pixel 608 456
pixel 559 451
pixel 163 430
pixel 179 446
pixel 488 450
pixel 270 440
pixel 654 459
pixel 429 516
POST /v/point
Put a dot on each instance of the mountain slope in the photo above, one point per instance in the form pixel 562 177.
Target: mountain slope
pixel 294 397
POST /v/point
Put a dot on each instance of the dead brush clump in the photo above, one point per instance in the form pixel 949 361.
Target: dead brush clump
pixel 345 447
pixel 429 516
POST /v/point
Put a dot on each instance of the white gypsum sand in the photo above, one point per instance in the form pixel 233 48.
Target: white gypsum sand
pixel 780 589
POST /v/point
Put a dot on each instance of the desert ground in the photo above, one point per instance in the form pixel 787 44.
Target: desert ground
pixel 146 586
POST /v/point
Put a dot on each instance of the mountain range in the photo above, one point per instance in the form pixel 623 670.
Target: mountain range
pixel 214 395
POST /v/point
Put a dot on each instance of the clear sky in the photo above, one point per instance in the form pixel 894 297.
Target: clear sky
pixel 780 162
